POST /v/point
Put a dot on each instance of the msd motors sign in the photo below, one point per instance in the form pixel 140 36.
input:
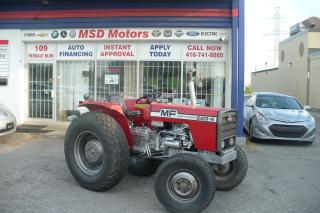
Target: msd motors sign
pixel 100 34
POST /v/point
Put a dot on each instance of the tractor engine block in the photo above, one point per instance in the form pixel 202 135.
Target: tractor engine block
pixel 168 140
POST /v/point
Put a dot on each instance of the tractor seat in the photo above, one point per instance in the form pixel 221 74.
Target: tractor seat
pixel 120 101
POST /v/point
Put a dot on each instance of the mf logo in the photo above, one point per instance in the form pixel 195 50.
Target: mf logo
pixel 170 113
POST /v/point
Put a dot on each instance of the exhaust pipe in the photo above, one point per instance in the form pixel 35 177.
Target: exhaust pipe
pixel 191 87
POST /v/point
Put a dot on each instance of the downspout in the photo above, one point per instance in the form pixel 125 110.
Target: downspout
pixel 241 55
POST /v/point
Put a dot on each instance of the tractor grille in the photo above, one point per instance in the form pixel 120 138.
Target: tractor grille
pixel 288 131
pixel 226 126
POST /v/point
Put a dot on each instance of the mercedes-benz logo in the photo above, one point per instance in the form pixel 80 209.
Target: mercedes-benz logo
pixel 63 34
pixel 54 34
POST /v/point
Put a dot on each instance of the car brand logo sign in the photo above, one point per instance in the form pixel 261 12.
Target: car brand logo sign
pixel 156 33
pixel 179 33
pixel 72 34
pixel 193 33
pixel 167 33
pixel 42 35
pixel 54 34
pixel 63 34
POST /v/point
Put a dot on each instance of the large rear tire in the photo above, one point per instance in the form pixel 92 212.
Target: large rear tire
pixel 230 175
pixel 185 183
pixel 96 151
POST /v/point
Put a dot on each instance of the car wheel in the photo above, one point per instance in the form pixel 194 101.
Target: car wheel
pixel 251 138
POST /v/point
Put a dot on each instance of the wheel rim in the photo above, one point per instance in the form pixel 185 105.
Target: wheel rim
pixel 88 153
pixel 184 186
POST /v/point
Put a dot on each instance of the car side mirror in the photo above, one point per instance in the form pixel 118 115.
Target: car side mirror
pixel 306 107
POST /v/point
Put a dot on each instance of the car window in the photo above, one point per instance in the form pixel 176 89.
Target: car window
pixel 277 102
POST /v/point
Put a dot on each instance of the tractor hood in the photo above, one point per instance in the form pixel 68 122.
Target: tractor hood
pixel 185 112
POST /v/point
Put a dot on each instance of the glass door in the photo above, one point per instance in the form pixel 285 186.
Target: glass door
pixel 40 91
pixel 74 80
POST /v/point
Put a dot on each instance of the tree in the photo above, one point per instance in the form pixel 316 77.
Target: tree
pixel 247 89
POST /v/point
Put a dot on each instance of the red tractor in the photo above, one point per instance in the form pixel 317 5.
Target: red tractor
pixel 191 149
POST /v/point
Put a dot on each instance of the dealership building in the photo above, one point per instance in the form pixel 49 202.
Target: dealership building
pixel 53 53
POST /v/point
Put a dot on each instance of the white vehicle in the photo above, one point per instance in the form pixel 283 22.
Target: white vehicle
pixel 7 121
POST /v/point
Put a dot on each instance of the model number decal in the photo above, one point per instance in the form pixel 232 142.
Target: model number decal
pixel 206 118
pixel 173 113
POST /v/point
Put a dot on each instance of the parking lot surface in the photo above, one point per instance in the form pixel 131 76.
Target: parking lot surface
pixel 282 177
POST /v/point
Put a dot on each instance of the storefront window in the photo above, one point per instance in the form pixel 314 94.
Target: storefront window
pixel 116 78
pixel 161 76
pixel 209 81
pixel 74 80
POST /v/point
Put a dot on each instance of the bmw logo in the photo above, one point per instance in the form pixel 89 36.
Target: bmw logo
pixel 55 34
pixel 193 33
pixel 72 34
pixel 63 34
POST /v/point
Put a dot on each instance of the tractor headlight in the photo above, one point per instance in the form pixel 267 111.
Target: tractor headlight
pixel 222 144
pixel 232 141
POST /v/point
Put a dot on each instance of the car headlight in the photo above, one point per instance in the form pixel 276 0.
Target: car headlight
pixel 261 119
pixel 310 123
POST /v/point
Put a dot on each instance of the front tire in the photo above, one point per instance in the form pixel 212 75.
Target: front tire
pixel 230 175
pixel 185 183
pixel 96 151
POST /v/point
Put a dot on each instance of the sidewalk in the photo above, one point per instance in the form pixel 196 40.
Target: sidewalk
pixel 30 132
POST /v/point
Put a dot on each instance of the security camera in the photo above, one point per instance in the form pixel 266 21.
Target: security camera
pixel 222 38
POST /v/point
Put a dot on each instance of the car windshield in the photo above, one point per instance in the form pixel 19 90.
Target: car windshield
pixel 277 102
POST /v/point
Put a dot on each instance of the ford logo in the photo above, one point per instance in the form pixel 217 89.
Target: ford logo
pixel 193 33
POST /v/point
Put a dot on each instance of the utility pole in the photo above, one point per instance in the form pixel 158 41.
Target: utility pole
pixel 276 33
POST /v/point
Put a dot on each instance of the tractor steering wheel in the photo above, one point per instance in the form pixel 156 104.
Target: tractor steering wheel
pixel 149 98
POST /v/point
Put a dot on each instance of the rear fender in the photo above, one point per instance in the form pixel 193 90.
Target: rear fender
pixel 112 110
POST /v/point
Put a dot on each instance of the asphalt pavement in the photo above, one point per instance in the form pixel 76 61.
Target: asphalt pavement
pixel 282 177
